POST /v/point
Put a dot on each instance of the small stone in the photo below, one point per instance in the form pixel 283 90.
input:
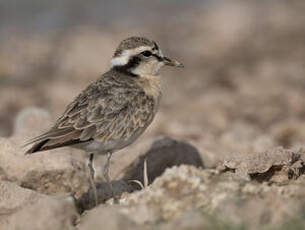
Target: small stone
pixel 47 214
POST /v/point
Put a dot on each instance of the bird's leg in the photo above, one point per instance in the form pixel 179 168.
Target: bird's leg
pixel 91 177
pixel 106 173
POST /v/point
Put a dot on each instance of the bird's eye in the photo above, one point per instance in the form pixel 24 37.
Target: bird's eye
pixel 146 53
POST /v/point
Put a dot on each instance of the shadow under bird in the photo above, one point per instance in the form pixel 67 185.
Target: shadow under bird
pixel 113 111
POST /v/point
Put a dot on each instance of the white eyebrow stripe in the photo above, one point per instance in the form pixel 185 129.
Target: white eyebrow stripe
pixel 121 60
pixel 126 54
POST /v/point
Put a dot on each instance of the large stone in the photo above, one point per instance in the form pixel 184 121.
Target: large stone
pixel 55 171
pixel 106 218
pixel 220 194
pixel 87 200
pixel 12 198
pixel 164 153
pixel 171 194
pixel 191 220
pixel 275 165
pixel 47 214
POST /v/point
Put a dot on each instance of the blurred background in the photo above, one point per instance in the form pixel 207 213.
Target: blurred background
pixel 242 88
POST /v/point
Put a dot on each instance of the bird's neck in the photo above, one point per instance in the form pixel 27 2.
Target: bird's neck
pixel 151 84
pixel 124 70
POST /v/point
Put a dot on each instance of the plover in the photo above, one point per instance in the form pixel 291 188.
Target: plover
pixel 113 111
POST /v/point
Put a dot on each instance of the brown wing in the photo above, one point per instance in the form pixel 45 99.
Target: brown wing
pixel 130 120
pixel 100 112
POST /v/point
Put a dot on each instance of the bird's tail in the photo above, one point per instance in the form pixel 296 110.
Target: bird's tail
pixel 37 147
pixel 55 139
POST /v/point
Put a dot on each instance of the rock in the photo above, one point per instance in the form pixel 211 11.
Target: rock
pixel 106 218
pixel 2 174
pixel 12 198
pixel 191 220
pixel 47 213
pixel 276 165
pixel 196 219
pixel 164 153
pixel 87 201
pixel 289 133
pixel 176 191
pixel 32 121
pixel 55 171
pixel 219 194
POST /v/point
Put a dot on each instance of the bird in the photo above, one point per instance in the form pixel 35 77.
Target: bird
pixel 114 110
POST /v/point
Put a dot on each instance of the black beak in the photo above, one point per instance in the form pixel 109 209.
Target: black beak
pixel 170 62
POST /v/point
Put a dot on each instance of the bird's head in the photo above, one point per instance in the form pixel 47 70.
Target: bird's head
pixel 140 56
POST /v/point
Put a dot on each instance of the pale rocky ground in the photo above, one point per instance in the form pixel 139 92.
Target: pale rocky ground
pixel 50 189
pixel 235 115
